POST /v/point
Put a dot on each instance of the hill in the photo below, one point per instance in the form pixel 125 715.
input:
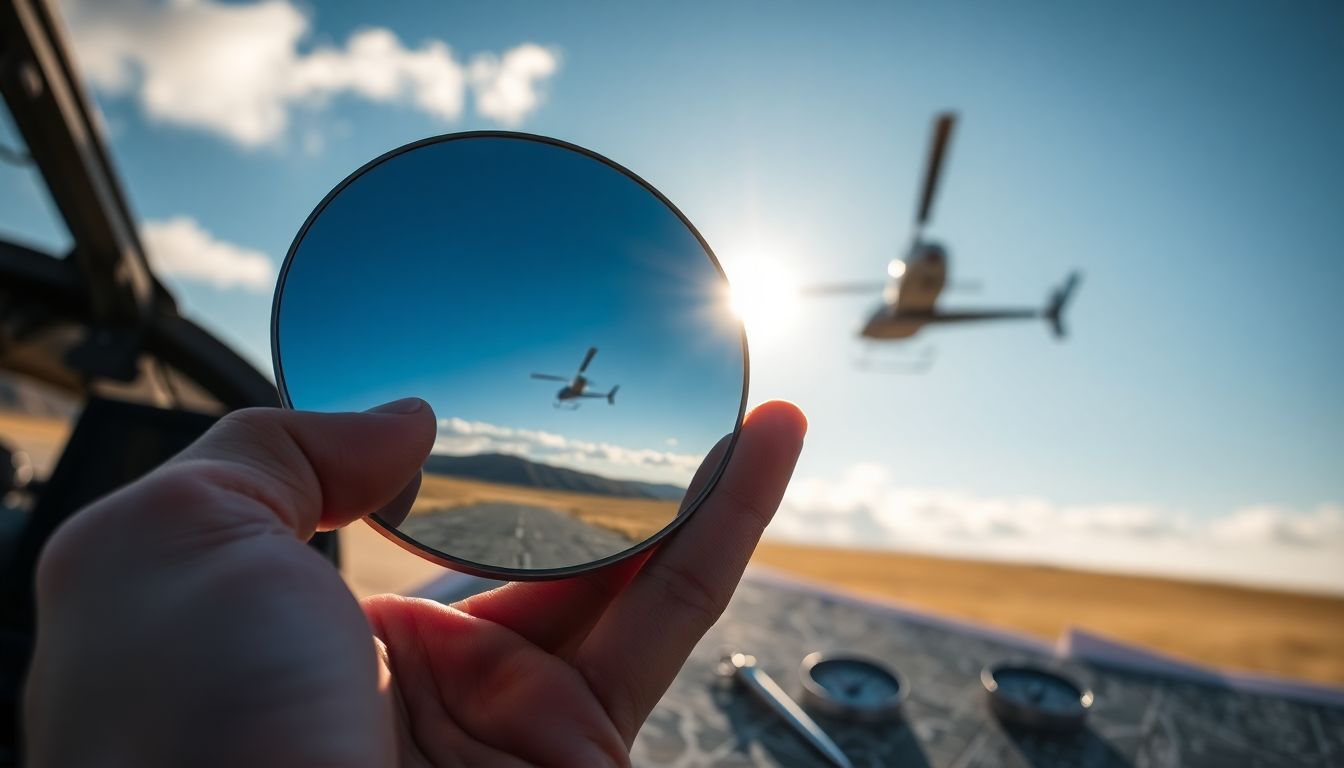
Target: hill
pixel 515 470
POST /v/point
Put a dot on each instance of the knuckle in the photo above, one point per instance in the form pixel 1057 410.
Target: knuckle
pixel 61 560
pixel 610 756
pixel 758 515
pixel 617 697
pixel 253 425
pixel 98 532
pixel 275 469
pixel 687 590
pixel 180 485
pixel 248 416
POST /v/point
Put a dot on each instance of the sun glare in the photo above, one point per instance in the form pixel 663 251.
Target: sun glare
pixel 764 295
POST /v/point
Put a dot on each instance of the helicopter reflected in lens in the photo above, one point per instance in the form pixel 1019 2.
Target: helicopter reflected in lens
pixel 567 325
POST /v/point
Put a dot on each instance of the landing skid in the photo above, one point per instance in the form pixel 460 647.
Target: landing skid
pixel 564 406
pixel 919 361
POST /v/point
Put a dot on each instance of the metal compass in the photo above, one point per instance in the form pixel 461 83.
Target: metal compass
pixel 1032 696
pixel 852 688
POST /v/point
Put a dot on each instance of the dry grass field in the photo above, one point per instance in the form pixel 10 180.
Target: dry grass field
pixel 372 565
pixel 635 519
pixel 1284 634
pixel 42 437
pixel 1279 633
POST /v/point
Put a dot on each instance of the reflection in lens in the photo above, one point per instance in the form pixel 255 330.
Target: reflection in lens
pixel 569 329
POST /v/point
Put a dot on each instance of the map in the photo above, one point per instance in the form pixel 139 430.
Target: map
pixel 1138 719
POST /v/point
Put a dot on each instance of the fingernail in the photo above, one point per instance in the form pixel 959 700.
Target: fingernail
pixel 400 407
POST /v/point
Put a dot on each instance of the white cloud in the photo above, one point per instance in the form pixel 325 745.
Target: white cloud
pixel 237 69
pixel 180 247
pixel 1324 527
pixel 376 66
pixel 1263 544
pixel 459 436
pixel 507 89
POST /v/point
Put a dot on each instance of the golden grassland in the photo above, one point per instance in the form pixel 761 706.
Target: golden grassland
pixel 373 565
pixel 1279 633
pixel 635 519
pixel 1286 634
pixel 42 437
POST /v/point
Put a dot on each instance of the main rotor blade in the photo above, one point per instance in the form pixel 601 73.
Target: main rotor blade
pixel 942 135
pixel 588 358
pixel 831 289
pixel 548 377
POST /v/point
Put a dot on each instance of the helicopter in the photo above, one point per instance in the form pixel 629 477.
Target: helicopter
pixel 912 286
pixel 575 389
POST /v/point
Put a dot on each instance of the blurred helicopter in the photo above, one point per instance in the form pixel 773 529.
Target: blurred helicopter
pixel 910 292
pixel 574 389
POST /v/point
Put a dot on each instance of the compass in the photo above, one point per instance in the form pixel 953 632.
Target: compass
pixel 852 688
pixel 1032 696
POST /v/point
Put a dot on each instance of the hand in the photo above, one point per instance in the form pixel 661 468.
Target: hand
pixel 183 621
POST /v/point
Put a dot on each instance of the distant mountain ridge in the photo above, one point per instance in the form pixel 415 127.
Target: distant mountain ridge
pixel 515 470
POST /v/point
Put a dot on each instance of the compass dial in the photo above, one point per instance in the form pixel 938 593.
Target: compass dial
pixel 1032 696
pixel 851 687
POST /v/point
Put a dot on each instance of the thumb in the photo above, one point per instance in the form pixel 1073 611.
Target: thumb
pixel 315 471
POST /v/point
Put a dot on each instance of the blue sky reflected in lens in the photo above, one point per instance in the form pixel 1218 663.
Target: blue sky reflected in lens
pixel 456 270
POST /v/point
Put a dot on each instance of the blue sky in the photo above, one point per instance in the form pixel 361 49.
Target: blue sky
pixel 454 271
pixel 1187 159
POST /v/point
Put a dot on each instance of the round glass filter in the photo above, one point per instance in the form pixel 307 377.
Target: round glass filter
pixel 568 325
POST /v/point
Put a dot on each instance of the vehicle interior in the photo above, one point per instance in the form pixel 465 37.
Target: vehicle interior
pixel 88 335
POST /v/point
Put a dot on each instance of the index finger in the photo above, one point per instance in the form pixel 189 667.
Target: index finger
pixel 644 637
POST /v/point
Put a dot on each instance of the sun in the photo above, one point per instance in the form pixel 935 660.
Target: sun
pixel 764 296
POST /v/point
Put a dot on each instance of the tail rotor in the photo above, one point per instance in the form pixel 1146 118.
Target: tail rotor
pixel 1054 311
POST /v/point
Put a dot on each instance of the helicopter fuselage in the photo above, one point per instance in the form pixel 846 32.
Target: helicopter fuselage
pixel 912 290
pixel 573 389
pixel 910 293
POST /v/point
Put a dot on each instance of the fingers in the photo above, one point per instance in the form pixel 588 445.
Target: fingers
pixel 557 615
pixel 395 511
pixel 467 685
pixel 553 615
pixel 641 642
pixel 314 471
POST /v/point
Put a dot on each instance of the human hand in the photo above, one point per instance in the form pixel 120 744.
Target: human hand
pixel 183 621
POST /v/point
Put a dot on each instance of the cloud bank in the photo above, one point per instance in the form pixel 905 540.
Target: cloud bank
pixel 237 70
pixel 1263 545
pixel 179 247
pixel 459 437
